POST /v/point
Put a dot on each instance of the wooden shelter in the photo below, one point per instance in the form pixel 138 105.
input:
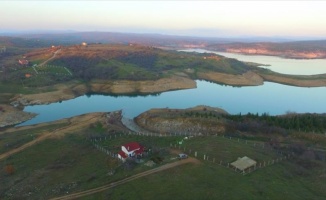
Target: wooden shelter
pixel 243 163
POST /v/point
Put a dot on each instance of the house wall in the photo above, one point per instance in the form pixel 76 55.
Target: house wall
pixel 129 153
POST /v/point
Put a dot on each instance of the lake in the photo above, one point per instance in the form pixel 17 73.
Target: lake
pixel 281 65
pixel 271 98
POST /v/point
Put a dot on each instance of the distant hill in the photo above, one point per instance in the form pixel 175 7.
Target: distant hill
pixel 23 42
pixel 124 38
pixel 299 49
pixel 71 37
pixel 254 45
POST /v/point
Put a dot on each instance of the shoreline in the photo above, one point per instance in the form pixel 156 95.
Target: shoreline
pixel 125 87
pixel 122 87
pixel 10 116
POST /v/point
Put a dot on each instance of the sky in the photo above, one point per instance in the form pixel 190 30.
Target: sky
pixel 178 17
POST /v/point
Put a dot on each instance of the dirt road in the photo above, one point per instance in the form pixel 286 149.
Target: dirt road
pixel 74 124
pixel 117 183
pixel 54 55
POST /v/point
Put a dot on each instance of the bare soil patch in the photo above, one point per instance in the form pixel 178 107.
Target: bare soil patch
pixel 65 92
pixel 246 79
pixel 10 115
pixel 296 82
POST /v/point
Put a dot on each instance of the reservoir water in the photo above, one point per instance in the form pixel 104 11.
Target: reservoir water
pixel 281 65
pixel 271 98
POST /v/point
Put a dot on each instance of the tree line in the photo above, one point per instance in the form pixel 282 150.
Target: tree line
pixel 298 122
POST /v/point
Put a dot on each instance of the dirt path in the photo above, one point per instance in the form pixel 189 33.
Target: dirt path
pixel 126 180
pixel 75 124
pixel 130 124
pixel 54 55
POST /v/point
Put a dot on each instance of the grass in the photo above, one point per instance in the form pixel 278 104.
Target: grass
pixel 147 141
pixel 56 167
pixel 52 69
pixel 9 141
pixel 5 98
pixel 226 150
pixel 215 146
pixel 48 168
pixel 208 181
pixel 285 180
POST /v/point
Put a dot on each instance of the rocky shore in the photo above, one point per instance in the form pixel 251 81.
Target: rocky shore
pixel 11 116
pixel 108 87
pixel 199 120
pixel 247 79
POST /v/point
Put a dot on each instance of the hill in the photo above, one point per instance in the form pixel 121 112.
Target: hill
pixel 251 45
pixel 300 49
pixel 115 62
pixel 64 72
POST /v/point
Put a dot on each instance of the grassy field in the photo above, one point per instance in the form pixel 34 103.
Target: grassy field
pixel 49 69
pixel 209 181
pixel 57 167
pixel 9 141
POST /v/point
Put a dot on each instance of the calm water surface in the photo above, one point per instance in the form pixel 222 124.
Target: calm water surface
pixel 281 65
pixel 271 98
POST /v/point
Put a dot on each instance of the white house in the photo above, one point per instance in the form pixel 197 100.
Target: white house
pixel 131 149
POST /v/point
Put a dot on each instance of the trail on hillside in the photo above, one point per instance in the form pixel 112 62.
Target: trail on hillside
pixel 54 55
pixel 126 180
pixel 131 125
pixel 72 126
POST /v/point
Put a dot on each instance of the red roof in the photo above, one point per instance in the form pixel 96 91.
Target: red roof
pixel 134 146
pixel 131 146
pixel 140 151
pixel 23 62
pixel 122 154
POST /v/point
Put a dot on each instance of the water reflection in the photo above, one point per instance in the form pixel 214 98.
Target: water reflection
pixel 277 64
pixel 271 98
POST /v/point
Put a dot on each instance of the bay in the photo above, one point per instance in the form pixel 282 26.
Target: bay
pixel 277 64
